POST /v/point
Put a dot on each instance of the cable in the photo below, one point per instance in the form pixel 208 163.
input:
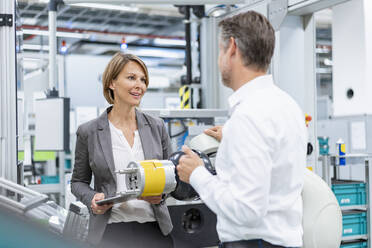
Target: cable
pixel 181 132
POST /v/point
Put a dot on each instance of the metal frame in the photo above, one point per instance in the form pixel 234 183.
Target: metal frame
pixel 310 106
pixel 8 102
pixel 329 161
pixel 17 190
pixel 186 113
pixel 52 49
pixel 214 93
pixel 208 61
pixel 311 6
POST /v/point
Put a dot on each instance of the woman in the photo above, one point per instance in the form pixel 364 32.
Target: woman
pixel 106 144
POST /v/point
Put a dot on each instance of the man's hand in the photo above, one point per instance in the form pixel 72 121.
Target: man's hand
pixel 188 163
pixel 99 209
pixel 151 199
pixel 215 132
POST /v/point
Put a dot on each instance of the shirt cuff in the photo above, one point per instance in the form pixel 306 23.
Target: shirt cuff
pixel 199 177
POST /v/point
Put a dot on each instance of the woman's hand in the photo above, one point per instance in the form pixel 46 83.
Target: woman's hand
pixel 151 199
pixel 99 209
pixel 215 132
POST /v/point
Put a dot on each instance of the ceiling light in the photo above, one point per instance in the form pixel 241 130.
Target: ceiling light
pixel 106 6
pixel 159 53
pixel 169 42
pixel 123 46
pixel 35 47
pixel 63 48
pixel 58 34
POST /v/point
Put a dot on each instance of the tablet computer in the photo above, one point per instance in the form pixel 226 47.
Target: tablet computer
pixel 115 199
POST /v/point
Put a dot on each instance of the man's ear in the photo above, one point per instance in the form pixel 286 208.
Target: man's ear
pixel 232 49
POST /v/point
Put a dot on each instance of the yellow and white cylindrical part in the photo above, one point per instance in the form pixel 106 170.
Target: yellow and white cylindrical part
pixel 151 177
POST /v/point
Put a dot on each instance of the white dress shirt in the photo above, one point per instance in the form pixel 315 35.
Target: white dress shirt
pixel 133 210
pixel 260 163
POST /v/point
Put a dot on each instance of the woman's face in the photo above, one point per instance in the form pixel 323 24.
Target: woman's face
pixel 130 85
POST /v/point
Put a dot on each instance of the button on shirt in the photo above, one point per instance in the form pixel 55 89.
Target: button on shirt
pixel 260 164
pixel 133 210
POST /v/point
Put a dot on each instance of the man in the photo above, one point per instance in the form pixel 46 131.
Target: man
pixel 256 193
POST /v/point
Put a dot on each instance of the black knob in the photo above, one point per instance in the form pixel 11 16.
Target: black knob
pixel 310 148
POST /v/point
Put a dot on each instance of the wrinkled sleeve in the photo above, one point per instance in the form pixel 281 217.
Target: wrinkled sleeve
pixel 244 198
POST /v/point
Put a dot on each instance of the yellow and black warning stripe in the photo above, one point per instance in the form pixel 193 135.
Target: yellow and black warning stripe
pixel 185 96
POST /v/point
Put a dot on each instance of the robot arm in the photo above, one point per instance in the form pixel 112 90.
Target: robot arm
pixel 156 177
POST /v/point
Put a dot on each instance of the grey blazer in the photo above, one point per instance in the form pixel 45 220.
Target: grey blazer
pixel 93 155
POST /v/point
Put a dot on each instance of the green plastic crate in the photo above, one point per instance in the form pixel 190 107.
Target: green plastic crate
pixel 354 223
pixel 349 193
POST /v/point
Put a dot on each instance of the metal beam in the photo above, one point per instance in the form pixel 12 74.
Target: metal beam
pixel 52 49
pixel 311 6
pixel 35 29
pixel 8 96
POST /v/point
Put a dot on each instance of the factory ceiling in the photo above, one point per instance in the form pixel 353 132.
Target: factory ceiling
pixel 82 25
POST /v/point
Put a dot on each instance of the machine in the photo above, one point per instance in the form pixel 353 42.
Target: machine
pixel 194 224
pixel 157 177
pixel 40 222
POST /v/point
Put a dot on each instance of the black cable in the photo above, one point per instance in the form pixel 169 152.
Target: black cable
pixel 181 132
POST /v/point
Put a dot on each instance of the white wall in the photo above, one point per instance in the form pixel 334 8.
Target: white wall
pixel 352 57
pixel 83 79
pixel 290 76
pixel 84 86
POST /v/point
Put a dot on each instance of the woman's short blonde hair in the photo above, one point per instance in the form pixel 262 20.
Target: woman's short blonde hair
pixel 113 69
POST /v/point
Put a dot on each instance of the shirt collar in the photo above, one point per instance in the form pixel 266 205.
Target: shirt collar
pixel 249 88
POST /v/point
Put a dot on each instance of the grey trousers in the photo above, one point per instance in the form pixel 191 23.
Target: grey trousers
pixel 135 235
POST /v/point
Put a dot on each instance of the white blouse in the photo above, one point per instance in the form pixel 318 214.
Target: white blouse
pixel 133 210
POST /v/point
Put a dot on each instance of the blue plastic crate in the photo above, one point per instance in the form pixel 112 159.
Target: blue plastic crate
pixel 49 179
pixel 67 164
pixel 359 244
pixel 354 223
pixel 349 192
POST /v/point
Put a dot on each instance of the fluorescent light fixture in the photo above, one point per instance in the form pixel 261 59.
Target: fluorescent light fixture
pixel 159 53
pixel 58 34
pixel 29 21
pixel 35 32
pixel 35 47
pixel 106 6
pixel 73 35
pixel 169 42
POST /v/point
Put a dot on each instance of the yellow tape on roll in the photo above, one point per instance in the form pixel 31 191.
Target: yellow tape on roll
pixel 154 178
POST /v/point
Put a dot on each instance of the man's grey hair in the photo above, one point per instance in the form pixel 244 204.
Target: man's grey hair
pixel 254 37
